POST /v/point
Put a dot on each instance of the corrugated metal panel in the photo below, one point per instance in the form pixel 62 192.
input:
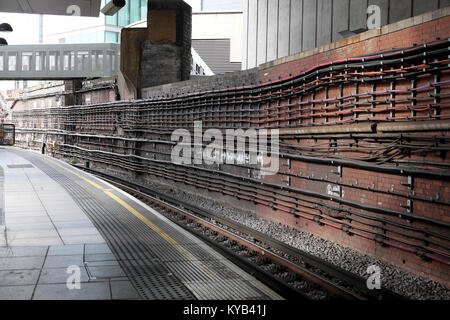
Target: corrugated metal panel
pixel 216 54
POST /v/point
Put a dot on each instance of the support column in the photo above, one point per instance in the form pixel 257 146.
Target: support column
pixel 160 53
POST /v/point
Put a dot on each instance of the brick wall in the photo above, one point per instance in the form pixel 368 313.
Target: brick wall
pixel 203 83
pixel 421 29
pixel 379 189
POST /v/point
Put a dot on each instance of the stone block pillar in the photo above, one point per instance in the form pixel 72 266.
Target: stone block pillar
pixel 160 53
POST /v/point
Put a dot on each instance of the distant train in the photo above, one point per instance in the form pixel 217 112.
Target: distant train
pixel 7 134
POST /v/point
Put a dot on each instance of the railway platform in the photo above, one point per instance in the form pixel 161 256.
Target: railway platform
pixel 65 234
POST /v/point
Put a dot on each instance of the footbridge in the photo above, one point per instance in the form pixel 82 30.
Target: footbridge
pixel 59 61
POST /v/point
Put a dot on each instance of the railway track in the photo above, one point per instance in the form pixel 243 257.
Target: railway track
pixel 291 272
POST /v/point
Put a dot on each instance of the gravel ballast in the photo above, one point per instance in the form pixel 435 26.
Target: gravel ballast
pixel 405 284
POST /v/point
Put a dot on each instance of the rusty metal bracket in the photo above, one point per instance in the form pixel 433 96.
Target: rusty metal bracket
pixel 380 239
pixel 346 228
pixel 318 219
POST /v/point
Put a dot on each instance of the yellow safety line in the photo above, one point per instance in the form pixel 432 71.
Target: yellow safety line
pixel 152 226
pixel 80 176
pixel 162 234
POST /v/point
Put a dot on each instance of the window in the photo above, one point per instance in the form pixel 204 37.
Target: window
pixel 97 60
pixel 124 15
pixel 26 61
pixel 110 55
pixel 53 61
pixel 111 37
pixel 69 60
pixel 12 61
pixel 135 10
pixel 143 9
pixel 83 60
pixel 108 62
pixel 111 20
pixel 1 61
pixel 40 61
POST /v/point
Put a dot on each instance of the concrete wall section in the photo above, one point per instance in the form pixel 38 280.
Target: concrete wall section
pixel 272 31
pixel 245 34
pixel 262 32
pixel 399 10
pixel 340 18
pixel 296 26
pixel 358 15
pixel 309 24
pixel 422 6
pixel 252 32
pixel 324 14
pixel 283 27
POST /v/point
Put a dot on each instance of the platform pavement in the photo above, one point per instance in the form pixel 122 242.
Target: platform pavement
pixel 50 205
pixel 44 233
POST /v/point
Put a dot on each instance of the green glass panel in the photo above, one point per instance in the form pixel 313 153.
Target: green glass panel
pixel 124 15
pixel 144 9
pixel 111 37
pixel 135 10
pixel 111 20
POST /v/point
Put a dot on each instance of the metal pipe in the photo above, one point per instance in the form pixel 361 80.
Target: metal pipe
pixel 435 125
pixel 369 127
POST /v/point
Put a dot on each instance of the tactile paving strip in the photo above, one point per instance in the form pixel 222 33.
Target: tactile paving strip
pixel 150 278
pixel 170 253
pixel 182 269
pixel 242 290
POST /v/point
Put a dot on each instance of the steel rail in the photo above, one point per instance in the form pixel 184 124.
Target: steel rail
pixel 174 204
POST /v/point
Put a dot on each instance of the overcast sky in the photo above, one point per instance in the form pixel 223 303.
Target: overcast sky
pixel 25 28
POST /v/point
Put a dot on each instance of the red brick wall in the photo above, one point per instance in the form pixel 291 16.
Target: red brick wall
pixel 367 181
pixel 418 34
pixel 98 96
